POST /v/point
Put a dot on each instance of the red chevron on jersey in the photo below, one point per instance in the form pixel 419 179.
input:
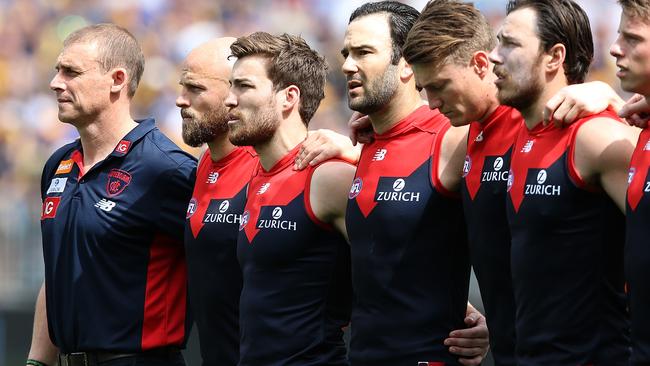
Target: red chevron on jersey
pixel 219 180
pixel 277 187
pixel 638 186
pixel 394 160
pixel 491 138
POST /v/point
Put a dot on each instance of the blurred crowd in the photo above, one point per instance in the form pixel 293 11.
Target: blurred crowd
pixel 31 34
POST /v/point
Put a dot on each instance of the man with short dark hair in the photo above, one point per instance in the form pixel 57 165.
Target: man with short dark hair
pixel 563 188
pixel 112 219
pixel 295 262
pixel 409 254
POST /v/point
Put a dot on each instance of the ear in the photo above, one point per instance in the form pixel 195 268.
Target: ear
pixel 480 64
pixel 120 80
pixel 555 57
pixel 291 97
pixel 406 72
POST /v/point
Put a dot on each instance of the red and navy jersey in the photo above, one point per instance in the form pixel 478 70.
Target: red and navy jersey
pixel 297 291
pixel 567 256
pixel 213 218
pixel 485 173
pixel 637 255
pixel 115 272
pixel 410 265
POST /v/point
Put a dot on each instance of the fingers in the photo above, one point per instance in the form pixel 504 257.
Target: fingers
pixel 634 105
pixel 474 361
pixel 551 107
pixel 638 120
pixel 359 125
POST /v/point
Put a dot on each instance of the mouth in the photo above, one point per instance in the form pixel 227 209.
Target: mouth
pixel 233 118
pixel 622 70
pixel 354 84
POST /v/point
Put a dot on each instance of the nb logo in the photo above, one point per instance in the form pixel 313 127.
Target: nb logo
pixel 527 146
pixel 277 213
pixel 399 185
pixel 105 205
pixel 647 146
pixel 379 155
pixel 223 207
pixel 498 164
pixel 212 178
pixel 541 177
pixel 479 138
pixel 264 188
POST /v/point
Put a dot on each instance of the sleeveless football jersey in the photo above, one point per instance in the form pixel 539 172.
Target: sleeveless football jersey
pixel 637 253
pixel 567 256
pixel 214 276
pixel 410 265
pixel 296 292
pixel 485 173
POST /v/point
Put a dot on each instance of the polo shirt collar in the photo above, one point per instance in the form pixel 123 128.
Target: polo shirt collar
pixel 143 127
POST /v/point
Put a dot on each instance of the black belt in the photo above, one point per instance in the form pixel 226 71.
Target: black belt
pixel 96 358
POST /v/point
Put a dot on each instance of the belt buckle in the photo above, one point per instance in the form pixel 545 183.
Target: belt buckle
pixel 74 359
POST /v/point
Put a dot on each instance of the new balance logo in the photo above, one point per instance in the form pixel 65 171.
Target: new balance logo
pixel 105 205
pixel 380 154
pixel 212 178
pixel 479 138
pixel 528 146
pixel 647 146
pixel 264 188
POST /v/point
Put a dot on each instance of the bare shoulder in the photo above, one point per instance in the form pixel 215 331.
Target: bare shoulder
pixel 329 187
pixel 452 155
pixel 599 134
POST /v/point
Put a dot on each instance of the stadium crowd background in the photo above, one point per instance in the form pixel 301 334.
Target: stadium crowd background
pixel 31 34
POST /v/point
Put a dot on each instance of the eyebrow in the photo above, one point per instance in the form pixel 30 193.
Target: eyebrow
pixel 345 50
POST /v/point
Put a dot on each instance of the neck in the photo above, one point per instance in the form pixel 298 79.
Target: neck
pixel 404 102
pixel 220 147
pixel 489 95
pixel 534 112
pixel 289 134
pixel 100 136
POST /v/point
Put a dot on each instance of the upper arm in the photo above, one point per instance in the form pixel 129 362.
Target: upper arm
pixel 328 192
pixel 452 156
pixel 604 147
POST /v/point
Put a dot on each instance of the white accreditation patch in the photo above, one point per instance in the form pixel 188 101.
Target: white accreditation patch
pixel 57 185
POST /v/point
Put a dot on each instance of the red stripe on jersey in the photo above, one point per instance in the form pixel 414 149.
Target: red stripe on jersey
pixel 165 296
pixel 639 170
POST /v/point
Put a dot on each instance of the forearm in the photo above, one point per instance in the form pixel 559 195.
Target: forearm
pixel 42 348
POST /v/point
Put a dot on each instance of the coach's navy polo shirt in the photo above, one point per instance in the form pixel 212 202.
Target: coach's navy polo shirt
pixel 115 272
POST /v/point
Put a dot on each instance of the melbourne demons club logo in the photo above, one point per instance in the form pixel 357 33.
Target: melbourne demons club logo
pixel 117 182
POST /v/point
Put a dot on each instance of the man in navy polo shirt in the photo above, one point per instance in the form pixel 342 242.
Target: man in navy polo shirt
pixel 112 218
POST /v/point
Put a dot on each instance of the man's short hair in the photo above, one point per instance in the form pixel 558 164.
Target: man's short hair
pixel 116 46
pixel 290 61
pixel 401 18
pixel 448 31
pixel 563 22
pixel 638 9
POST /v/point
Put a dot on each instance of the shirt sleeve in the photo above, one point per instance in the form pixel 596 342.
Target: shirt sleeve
pixel 174 195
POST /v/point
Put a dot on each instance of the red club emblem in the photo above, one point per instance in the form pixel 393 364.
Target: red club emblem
pixel 117 182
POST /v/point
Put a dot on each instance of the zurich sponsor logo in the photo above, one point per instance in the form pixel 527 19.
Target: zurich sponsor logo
pixel 191 208
pixel 498 164
pixel 57 185
pixel 467 165
pixel 356 188
pixel 223 207
pixel 511 179
pixel 630 174
pixel 399 185
pixel 244 220
pixel 105 205
pixel 541 176
pixel 277 213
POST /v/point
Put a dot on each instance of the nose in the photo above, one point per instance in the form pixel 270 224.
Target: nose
pixel 494 56
pixel 56 83
pixel 434 101
pixel 231 100
pixel 615 49
pixel 349 66
pixel 182 101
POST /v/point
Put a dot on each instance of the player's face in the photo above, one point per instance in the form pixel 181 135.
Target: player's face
pixel 253 110
pixel 632 52
pixel 517 60
pixel 82 87
pixel 454 89
pixel 372 79
pixel 204 87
